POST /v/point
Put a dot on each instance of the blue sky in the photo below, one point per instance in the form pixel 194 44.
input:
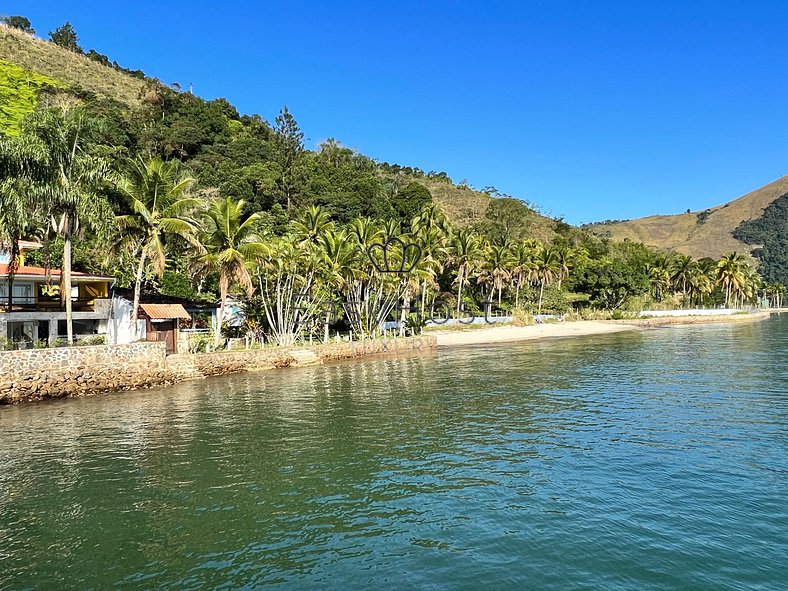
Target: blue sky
pixel 591 110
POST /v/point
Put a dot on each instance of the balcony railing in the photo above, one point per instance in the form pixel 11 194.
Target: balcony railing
pixel 30 305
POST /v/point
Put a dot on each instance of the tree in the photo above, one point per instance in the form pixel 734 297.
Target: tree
pixel 465 250
pixel 547 268
pixel 496 269
pixel 731 275
pixel 72 185
pixel 228 241
pixel 158 194
pixel 65 36
pixel 19 211
pixel 289 148
pixel 18 22
pixel 410 201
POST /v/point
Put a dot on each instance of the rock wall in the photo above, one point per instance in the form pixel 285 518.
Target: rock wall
pixel 36 374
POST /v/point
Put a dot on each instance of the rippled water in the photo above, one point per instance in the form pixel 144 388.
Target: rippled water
pixel 649 460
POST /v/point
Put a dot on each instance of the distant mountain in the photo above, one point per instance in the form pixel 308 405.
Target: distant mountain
pixel 709 233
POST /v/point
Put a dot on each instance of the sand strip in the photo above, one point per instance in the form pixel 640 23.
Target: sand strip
pixel 501 334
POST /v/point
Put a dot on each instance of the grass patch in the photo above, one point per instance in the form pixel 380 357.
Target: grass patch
pixel 69 68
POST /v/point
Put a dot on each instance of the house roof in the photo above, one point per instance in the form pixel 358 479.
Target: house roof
pixel 165 311
pixel 25 272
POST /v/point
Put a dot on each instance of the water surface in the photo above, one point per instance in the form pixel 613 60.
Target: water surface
pixel 652 460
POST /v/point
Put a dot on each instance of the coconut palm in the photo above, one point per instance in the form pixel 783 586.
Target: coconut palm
pixel 564 257
pixel 730 275
pixel 228 241
pixel 546 264
pixel 20 209
pixel 158 194
pixel 465 249
pixel 496 269
pixel 523 267
pixel 683 271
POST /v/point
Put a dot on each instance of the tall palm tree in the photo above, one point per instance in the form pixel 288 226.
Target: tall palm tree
pixel 546 270
pixel 158 193
pixel 523 265
pixel 564 257
pixel 684 270
pixel 229 241
pixel 19 208
pixel 496 269
pixel 465 250
pixel 730 274
pixel 72 184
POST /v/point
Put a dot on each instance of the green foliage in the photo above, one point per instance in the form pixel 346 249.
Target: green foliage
pixel 408 202
pixel 18 22
pixel 506 217
pixel 770 231
pixel 174 283
pixel 610 282
pixel 19 94
pixel 66 37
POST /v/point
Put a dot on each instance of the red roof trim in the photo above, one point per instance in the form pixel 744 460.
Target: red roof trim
pixel 40 272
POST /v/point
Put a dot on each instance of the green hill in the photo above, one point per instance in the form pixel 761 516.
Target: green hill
pixel 31 66
pixel 71 69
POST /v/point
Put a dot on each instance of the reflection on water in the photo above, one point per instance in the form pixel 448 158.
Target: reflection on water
pixel 648 460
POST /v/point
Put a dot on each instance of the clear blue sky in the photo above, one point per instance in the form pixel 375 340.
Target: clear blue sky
pixel 592 110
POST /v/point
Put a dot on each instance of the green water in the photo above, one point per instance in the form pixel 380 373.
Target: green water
pixel 651 460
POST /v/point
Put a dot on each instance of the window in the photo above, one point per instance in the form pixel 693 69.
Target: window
pixel 23 293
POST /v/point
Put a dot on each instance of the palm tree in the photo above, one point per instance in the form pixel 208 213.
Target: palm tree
pixel 18 204
pixel 524 267
pixel 563 258
pixel 158 193
pixel 465 249
pixel 546 270
pixel 495 268
pixel 229 241
pixel 730 274
pixel 314 221
pixel 684 270
pixel 72 184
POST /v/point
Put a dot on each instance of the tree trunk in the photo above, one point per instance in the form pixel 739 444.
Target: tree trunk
pixel 65 281
pixel 137 287
pixel 217 337
pixel 541 292
pixel 459 293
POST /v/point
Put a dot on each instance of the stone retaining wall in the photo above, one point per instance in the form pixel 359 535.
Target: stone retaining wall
pixel 73 371
pixel 34 374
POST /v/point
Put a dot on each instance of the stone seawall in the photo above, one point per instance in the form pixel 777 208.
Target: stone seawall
pixel 34 374
pixel 74 371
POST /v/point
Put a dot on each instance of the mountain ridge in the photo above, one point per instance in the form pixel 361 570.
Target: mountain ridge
pixel 705 233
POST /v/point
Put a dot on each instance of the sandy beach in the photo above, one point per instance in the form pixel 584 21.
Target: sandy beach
pixel 501 334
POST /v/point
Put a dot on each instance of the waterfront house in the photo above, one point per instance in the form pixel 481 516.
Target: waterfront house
pixel 34 312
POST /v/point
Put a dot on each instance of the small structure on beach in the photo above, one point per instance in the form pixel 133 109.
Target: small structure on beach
pixel 162 323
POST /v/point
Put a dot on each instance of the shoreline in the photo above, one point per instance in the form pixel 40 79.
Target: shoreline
pixel 578 328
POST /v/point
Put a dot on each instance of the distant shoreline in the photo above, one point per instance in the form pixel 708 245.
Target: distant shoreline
pixel 504 334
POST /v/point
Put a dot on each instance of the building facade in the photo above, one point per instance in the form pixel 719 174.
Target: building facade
pixel 31 310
